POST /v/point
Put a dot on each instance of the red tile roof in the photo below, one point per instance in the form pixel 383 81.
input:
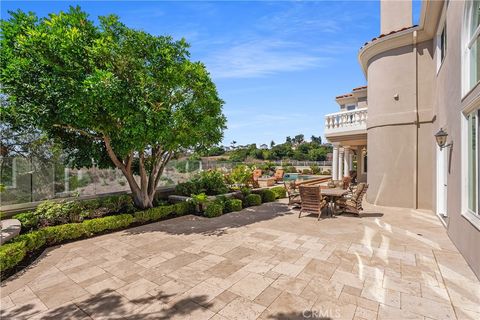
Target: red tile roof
pixel 387 34
pixel 359 88
pixel 344 96
pixel 350 94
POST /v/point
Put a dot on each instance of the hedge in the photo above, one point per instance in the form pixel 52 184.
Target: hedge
pixel 280 192
pixel 267 195
pixel 214 209
pixel 253 200
pixel 233 205
pixel 13 252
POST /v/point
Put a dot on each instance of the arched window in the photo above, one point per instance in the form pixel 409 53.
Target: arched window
pixel 471 45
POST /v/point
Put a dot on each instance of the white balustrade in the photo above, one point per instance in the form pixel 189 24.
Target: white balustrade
pixel 346 121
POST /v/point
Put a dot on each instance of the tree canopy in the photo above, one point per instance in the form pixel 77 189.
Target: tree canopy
pixel 111 95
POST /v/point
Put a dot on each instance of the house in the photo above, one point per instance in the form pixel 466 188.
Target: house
pixel 347 131
pixel 420 130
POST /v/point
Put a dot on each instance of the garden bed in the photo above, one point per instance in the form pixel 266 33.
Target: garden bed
pixel 207 194
pixel 25 248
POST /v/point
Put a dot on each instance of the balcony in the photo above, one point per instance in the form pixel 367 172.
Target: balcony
pixel 346 123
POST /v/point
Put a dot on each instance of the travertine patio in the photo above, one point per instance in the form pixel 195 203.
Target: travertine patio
pixel 258 263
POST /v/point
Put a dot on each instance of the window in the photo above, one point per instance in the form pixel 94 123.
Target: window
pixel 471 45
pixel 472 151
pixel 351 107
pixel 441 40
pixel 441 46
pixel 443 43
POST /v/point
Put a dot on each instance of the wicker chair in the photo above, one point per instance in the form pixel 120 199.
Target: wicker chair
pixel 346 181
pixel 353 204
pixel 292 193
pixel 312 200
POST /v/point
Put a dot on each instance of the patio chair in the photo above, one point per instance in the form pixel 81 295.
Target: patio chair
pixel 312 200
pixel 346 182
pixel 353 204
pixel 292 193
pixel 353 176
pixel 279 175
pixel 257 173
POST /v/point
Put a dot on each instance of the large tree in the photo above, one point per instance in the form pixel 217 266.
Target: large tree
pixel 111 95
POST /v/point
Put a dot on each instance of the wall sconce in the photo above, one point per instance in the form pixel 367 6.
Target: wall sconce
pixel 441 137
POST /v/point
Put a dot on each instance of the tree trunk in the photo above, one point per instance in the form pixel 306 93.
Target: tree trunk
pixel 143 194
pixel 142 199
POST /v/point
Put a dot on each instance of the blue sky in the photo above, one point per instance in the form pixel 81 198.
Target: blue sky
pixel 278 65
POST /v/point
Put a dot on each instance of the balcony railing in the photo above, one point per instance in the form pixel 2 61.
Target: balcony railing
pixel 345 121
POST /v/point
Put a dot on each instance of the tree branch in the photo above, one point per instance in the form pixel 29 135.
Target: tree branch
pixel 165 158
pixel 143 172
pixel 80 131
pixel 119 164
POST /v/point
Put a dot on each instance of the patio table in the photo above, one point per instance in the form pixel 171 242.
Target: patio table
pixel 333 195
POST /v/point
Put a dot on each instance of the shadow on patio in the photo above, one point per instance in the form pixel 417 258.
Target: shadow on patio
pixel 108 304
pixel 217 226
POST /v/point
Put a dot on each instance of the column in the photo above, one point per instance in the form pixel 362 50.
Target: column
pixel 359 161
pixel 335 162
pixel 340 164
pixel 350 160
pixel 346 161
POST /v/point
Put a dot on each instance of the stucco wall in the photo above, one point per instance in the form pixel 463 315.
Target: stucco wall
pixel 449 104
pixel 400 152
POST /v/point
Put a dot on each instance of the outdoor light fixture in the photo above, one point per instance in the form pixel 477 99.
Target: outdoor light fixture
pixel 441 137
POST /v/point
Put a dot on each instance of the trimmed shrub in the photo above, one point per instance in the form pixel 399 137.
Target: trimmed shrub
pixel 183 208
pixel 253 200
pixel 33 240
pixel 214 209
pixel 280 192
pixel 233 205
pixel 12 254
pixel 152 214
pixel 107 223
pixel 267 195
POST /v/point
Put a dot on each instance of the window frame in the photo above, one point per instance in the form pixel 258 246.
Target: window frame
pixel 441 38
pixel 468 40
pixel 467 213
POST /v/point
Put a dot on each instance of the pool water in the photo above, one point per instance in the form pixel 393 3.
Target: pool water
pixel 297 177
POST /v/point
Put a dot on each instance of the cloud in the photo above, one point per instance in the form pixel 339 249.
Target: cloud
pixel 261 57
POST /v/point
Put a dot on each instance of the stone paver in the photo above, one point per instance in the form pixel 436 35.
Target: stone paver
pixel 259 263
